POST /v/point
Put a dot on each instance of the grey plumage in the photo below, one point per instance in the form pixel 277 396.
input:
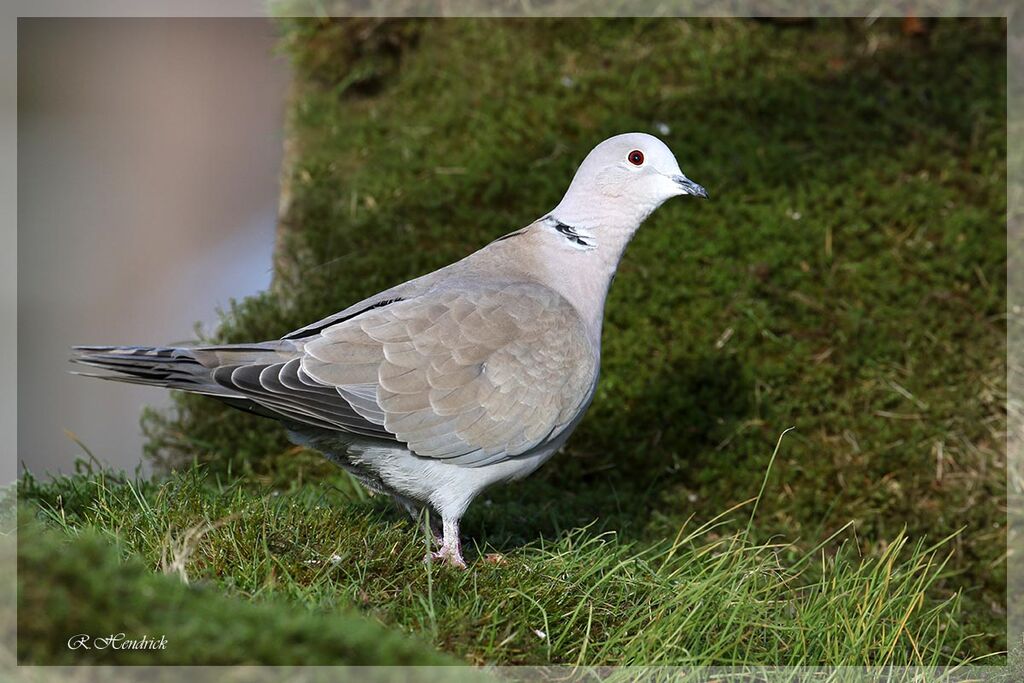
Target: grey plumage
pixel 471 375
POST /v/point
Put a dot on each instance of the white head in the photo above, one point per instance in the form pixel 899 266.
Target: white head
pixel 622 181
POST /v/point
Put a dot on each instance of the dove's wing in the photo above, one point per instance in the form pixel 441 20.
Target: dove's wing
pixel 470 374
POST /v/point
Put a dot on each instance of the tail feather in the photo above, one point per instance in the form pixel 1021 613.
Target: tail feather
pixel 188 369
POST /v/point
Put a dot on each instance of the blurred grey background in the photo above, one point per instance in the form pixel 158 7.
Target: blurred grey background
pixel 148 160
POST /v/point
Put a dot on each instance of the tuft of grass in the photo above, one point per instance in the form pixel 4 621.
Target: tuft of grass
pixel 85 585
pixel 709 595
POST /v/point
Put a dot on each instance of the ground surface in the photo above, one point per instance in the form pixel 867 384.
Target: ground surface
pixel 847 278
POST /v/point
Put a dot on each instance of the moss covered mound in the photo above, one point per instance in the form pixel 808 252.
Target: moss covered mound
pixel 847 277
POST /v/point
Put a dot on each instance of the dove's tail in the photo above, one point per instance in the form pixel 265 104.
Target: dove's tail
pixel 185 368
pixel 265 378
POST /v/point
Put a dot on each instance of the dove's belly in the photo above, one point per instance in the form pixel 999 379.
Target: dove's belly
pixel 393 469
pixel 445 486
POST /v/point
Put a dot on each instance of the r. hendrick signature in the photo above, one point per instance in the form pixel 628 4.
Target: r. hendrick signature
pixel 116 641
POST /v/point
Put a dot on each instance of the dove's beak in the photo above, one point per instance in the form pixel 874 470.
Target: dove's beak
pixel 689 187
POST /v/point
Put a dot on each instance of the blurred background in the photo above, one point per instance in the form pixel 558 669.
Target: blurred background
pixel 148 160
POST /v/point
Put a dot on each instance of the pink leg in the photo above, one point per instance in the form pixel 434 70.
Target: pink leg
pixel 451 548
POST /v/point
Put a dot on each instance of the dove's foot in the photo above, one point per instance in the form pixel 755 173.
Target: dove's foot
pixel 450 551
pixel 447 555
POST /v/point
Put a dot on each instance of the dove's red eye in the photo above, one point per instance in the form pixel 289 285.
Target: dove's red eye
pixel 636 157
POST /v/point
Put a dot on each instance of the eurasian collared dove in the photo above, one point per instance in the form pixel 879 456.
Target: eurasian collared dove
pixel 471 375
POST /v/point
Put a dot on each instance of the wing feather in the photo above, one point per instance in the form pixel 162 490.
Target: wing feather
pixel 319 406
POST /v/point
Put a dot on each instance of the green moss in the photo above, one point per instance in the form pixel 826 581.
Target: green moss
pixel 847 277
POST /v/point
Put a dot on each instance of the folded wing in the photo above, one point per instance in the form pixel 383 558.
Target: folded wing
pixel 470 375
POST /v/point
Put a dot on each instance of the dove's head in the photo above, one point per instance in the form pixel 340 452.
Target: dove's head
pixel 624 178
